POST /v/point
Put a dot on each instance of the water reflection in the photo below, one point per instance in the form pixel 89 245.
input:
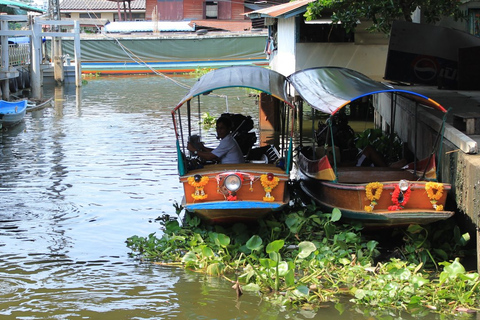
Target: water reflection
pixel 79 178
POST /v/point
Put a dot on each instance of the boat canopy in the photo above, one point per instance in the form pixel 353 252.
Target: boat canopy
pixel 328 89
pixel 254 77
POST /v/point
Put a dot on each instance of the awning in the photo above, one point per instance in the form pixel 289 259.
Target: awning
pixel 328 89
pixel 19 5
pixel 285 10
pixel 254 77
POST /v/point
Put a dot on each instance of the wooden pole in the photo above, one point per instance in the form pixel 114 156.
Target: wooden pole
pixel 77 53
pixel 5 61
pixel 35 71
pixel 119 12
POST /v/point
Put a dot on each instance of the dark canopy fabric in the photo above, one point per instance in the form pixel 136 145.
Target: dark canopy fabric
pixel 328 89
pixel 254 77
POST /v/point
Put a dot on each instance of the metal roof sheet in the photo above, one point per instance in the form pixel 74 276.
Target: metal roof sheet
pixel 89 5
pixel 284 9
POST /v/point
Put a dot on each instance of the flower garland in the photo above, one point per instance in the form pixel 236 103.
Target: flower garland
pixel 269 182
pixel 198 182
pixel 373 197
pixel 400 198
pixel 434 193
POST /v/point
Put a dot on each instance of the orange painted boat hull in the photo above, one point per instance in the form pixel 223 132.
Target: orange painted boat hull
pixel 247 204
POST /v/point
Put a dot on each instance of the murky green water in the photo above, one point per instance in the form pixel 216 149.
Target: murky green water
pixel 78 179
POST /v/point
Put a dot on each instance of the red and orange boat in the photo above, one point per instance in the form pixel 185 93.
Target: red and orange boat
pixel 380 196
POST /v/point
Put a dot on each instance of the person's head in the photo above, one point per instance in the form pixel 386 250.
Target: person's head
pixel 224 127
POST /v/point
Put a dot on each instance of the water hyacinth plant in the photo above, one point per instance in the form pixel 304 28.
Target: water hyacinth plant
pixel 305 258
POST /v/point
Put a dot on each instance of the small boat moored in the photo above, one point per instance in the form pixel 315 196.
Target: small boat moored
pixel 234 192
pixel 373 195
pixel 12 113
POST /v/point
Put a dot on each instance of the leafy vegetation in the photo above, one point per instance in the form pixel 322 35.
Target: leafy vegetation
pixel 381 13
pixel 389 145
pixel 305 258
pixel 198 72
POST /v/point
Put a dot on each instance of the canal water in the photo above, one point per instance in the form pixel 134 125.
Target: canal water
pixel 80 177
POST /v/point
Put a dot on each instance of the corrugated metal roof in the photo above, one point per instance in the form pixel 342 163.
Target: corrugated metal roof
pixel 20 5
pixel 90 5
pixel 285 10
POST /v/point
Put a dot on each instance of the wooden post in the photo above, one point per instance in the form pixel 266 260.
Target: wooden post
pixel 35 71
pixel 77 53
pixel 58 73
pixel 5 61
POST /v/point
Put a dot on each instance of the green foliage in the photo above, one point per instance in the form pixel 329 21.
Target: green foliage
pixel 381 13
pixel 304 258
pixel 208 121
pixel 200 72
pixel 388 145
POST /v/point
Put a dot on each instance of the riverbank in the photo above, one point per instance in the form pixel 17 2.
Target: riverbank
pixel 460 158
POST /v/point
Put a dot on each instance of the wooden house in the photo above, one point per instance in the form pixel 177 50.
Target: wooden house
pixel 206 14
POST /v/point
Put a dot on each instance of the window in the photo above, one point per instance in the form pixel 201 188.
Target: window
pixel 474 22
pixel 90 15
pixel 211 10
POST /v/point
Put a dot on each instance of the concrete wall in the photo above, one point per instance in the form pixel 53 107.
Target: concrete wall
pixel 459 163
pixel 283 59
pixel 367 59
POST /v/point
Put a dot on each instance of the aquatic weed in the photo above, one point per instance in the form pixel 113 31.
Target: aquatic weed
pixel 304 258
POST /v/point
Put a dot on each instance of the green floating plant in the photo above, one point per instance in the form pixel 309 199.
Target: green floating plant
pixel 304 258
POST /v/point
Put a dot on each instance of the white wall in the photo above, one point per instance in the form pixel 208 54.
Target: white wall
pixel 284 58
pixel 367 59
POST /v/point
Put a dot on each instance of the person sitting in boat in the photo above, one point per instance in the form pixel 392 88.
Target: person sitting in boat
pixel 228 151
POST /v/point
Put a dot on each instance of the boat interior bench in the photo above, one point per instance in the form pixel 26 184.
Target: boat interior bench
pixel 372 174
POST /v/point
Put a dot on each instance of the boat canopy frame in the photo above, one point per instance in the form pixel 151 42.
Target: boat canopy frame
pixel 253 77
pixel 329 89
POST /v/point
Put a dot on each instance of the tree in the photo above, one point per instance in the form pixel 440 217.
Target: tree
pixel 381 13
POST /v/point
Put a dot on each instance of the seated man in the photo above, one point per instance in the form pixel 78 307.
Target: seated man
pixel 228 151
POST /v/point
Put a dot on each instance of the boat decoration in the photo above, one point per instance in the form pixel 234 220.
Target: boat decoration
pixel 375 196
pixel 228 193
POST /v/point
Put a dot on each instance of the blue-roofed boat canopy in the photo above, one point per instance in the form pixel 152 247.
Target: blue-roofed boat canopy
pixel 328 89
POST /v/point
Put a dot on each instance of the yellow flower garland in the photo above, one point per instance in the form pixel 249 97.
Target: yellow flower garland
pixel 268 186
pixel 199 193
pixel 373 197
pixel 434 193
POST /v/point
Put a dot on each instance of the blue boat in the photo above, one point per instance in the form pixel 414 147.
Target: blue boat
pixel 12 113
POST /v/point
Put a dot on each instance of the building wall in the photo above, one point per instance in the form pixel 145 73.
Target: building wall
pixel 193 9
pixel 367 59
pixel 283 59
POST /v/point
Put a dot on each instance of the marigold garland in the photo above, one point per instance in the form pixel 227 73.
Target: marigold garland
pixel 199 193
pixel 373 197
pixel 434 193
pixel 396 193
pixel 268 186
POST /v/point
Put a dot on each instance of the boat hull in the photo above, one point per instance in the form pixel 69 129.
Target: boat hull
pixel 247 204
pixel 351 199
pixel 12 113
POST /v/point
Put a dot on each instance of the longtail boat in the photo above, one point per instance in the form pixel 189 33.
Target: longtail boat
pixel 379 196
pixel 228 193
